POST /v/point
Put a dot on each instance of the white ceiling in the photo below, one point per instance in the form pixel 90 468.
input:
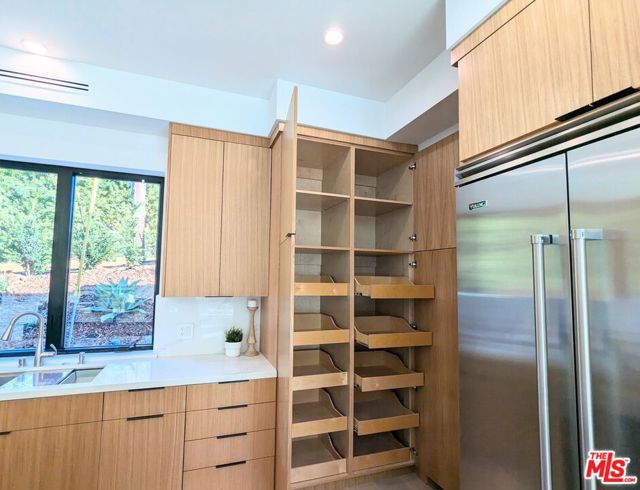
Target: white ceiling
pixel 240 46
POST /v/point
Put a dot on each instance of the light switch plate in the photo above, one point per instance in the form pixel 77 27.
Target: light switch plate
pixel 185 331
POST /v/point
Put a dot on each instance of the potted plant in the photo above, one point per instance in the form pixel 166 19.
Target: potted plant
pixel 233 342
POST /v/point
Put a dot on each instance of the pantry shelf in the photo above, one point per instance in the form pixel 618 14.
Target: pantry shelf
pixel 381 411
pixel 307 285
pixel 314 368
pixel 391 287
pixel 381 370
pixel 385 332
pixel 376 450
pixel 314 413
pixel 316 329
pixel 315 457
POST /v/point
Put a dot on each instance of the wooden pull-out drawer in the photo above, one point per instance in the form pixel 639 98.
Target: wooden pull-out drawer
pixel 205 453
pixel 203 424
pixel 35 413
pixel 215 395
pixel 140 403
pixel 248 475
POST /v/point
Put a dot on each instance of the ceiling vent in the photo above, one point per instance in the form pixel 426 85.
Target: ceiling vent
pixel 40 81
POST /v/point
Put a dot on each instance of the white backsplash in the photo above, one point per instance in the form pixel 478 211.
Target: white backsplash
pixel 210 317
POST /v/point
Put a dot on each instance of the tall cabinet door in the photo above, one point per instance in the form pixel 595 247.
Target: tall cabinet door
pixel 499 417
pixel 244 259
pixel 604 186
pixel 534 69
pixel 288 170
pixel 193 218
pixel 615 36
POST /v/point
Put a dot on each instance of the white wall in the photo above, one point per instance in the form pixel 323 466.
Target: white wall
pixel 210 317
pixel 463 16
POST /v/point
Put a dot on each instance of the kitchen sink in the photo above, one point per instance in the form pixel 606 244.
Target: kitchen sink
pixel 5 378
pixel 80 376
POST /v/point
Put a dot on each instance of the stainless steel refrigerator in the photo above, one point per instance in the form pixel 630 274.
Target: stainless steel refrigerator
pixel 549 313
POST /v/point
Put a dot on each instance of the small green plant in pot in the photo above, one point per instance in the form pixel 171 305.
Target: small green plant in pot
pixel 233 342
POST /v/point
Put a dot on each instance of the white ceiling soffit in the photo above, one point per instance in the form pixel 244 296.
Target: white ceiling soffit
pixel 241 46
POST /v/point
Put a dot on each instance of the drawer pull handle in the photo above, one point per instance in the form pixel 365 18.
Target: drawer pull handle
pixel 6 433
pixel 145 417
pixel 146 389
pixel 230 464
pixel 232 407
pixel 240 434
pixel 231 382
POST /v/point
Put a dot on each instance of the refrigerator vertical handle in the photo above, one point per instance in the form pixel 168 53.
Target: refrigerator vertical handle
pixel 538 243
pixel 579 237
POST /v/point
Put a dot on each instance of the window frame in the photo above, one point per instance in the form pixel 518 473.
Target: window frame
pixel 61 251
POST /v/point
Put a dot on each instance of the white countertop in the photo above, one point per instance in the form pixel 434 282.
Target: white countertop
pixel 138 372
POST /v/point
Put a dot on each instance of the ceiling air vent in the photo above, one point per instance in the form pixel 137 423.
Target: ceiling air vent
pixel 40 81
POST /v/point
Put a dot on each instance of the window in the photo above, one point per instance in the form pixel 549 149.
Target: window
pixel 79 247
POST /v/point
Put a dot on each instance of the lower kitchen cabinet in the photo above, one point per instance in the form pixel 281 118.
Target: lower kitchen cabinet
pixel 142 453
pixel 52 458
pixel 245 475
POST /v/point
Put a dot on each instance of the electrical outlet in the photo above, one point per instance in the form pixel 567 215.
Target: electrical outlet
pixel 185 331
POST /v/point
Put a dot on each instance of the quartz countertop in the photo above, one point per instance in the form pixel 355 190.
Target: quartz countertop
pixel 138 373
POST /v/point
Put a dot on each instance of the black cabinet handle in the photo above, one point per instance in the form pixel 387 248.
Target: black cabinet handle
pixel 233 407
pixel 240 434
pixel 146 389
pixel 6 433
pixel 231 382
pixel 230 464
pixel 145 417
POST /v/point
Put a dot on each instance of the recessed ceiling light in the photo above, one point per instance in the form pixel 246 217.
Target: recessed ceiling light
pixel 333 36
pixel 34 47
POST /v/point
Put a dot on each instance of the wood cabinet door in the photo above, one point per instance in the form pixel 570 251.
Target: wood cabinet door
pixel 534 69
pixel 434 195
pixel 53 458
pixel 193 217
pixel 142 453
pixel 246 196
pixel 615 38
pixel 288 169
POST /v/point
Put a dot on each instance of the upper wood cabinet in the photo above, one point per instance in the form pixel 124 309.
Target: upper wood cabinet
pixel 194 217
pixel 534 69
pixel 244 269
pixel 218 212
pixel 615 37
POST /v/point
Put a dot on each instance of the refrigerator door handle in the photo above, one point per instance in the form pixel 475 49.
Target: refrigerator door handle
pixel 579 237
pixel 538 243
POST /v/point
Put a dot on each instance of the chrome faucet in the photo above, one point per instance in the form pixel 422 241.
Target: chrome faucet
pixel 37 360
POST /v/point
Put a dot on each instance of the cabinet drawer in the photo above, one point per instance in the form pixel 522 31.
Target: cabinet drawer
pixel 35 413
pixel 215 395
pixel 205 453
pixel 139 403
pixel 254 475
pixel 230 420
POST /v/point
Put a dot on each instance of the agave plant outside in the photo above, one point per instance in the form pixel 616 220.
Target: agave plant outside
pixel 115 299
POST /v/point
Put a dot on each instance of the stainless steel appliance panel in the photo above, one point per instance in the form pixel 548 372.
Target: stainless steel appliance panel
pixel 604 190
pixel 499 401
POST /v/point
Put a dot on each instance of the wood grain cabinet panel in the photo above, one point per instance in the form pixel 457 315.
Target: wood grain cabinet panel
pixel 53 458
pixel 534 69
pixel 615 37
pixel 142 454
pixel 248 475
pixel 202 424
pixel 246 194
pixel 435 208
pixel 139 403
pixel 48 412
pixel 193 217
pixel 215 395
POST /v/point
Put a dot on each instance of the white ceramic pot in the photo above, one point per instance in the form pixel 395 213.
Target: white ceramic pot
pixel 232 349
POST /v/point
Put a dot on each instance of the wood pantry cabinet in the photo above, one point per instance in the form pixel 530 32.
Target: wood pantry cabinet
pixel 355 213
pixel 217 214
pixel 139 443
pixel 534 63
